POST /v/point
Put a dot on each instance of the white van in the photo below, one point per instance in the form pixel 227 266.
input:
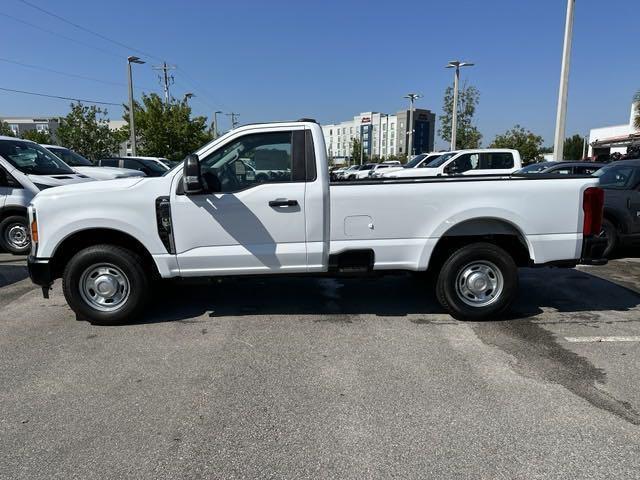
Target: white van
pixel 25 169
pixel 481 161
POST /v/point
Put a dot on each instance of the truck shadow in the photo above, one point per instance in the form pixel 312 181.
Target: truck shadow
pixel 393 295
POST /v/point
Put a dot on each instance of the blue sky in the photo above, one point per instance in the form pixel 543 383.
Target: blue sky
pixel 271 60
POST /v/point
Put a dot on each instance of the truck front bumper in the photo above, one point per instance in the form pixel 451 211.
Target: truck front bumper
pixel 41 273
pixel 593 248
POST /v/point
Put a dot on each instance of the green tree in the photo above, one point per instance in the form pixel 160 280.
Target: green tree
pixel 467 135
pixel 357 153
pixel 167 130
pixel 573 147
pixel 38 137
pixel 518 138
pixel 86 130
pixel 636 102
pixel 5 129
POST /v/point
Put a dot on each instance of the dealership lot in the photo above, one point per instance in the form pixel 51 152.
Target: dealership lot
pixel 325 378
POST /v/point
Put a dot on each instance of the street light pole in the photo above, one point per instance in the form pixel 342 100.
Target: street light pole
pixel 412 98
pixel 561 116
pixel 215 123
pixel 454 110
pixel 132 125
pixel 188 96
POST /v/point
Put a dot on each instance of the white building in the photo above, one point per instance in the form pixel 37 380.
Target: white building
pixel 614 139
pixel 382 135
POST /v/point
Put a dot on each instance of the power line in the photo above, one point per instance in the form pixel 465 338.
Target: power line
pixel 85 29
pixel 56 34
pixel 81 100
pixel 73 75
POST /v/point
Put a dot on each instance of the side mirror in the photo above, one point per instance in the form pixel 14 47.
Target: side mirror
pixel 192 176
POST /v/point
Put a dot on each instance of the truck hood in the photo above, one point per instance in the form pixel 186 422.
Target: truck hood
pixel 108 173
pixel 414 172
pixel 90 187
pixel 58 180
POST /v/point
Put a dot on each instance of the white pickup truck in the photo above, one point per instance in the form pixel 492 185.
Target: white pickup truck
pixel 480 161
pixel 212 217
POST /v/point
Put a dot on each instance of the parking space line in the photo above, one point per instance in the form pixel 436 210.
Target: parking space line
pixel 602 339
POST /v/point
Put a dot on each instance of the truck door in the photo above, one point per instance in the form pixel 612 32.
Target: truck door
pixel 633 201
pixel 252 223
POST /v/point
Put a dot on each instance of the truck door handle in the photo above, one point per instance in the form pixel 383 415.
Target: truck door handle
pixel 283 203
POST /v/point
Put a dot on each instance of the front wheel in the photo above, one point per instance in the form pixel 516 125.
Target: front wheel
pixel 106 284
pixel 477 282
pixel 14 235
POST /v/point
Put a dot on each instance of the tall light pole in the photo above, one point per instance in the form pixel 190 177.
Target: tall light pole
pixel 215 123
pixel 561 116
pixel 132 125
pixel 188 96
pixel 457 64
pixel 412 98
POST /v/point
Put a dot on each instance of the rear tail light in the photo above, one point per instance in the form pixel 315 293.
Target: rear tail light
pixel 592 205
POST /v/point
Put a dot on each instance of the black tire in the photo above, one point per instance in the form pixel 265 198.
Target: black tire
pixel 128 263
pixel 489 257
pixel 610 232
pixel 12 229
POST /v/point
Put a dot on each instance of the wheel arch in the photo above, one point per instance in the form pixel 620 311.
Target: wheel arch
pixel 498 231
pixel 617 218
pixel 97 236
pixel 10 210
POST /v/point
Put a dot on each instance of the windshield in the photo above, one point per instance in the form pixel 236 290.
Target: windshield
pixel 70 157
pixel 414 161
pixel 437 162
pixel 618 176
pixel 154 166
pixel 31 158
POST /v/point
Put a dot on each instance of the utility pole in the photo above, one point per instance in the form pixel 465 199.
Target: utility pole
pixel 132 124
pixel 454 111
pixel 215 124
pixel 234 119
pixel 584 147
pixel 412 98
pixel 561 116
pixel 165 78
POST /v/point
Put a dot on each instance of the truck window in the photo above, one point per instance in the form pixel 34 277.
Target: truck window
pixel 250 160
pixel 496 161
pixel 468 161
pixel 109 162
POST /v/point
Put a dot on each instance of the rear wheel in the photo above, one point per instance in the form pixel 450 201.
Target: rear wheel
pixel 106 284
pixel 14 235
pixel 610 232
pixel 477 282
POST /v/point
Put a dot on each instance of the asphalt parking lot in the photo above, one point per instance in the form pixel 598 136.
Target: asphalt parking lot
pixel 320 378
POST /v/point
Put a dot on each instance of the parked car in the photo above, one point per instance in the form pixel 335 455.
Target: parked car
pixel 563 168
pixel 26 168
pixel 486 161
pixel 109 240
pixel 88 168
pixel 344 174
pixel 362 172
pixel 418 161
pixel 621 224
pixel 151 167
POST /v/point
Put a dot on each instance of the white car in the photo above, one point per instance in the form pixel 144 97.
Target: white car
pixel 481 161
pixel 344 174
pixel 110 240
pixel 26 169
pixel 86 167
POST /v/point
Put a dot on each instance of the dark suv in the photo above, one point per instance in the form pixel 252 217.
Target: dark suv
pixel 621 225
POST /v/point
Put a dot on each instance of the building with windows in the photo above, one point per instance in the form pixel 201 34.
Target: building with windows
pixel 382 135
pixel 20 125
pixel 604 141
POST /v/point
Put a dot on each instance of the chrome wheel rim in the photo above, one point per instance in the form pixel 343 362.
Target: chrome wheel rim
pixel 17 236
pixel 104 287
pixel 479 283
